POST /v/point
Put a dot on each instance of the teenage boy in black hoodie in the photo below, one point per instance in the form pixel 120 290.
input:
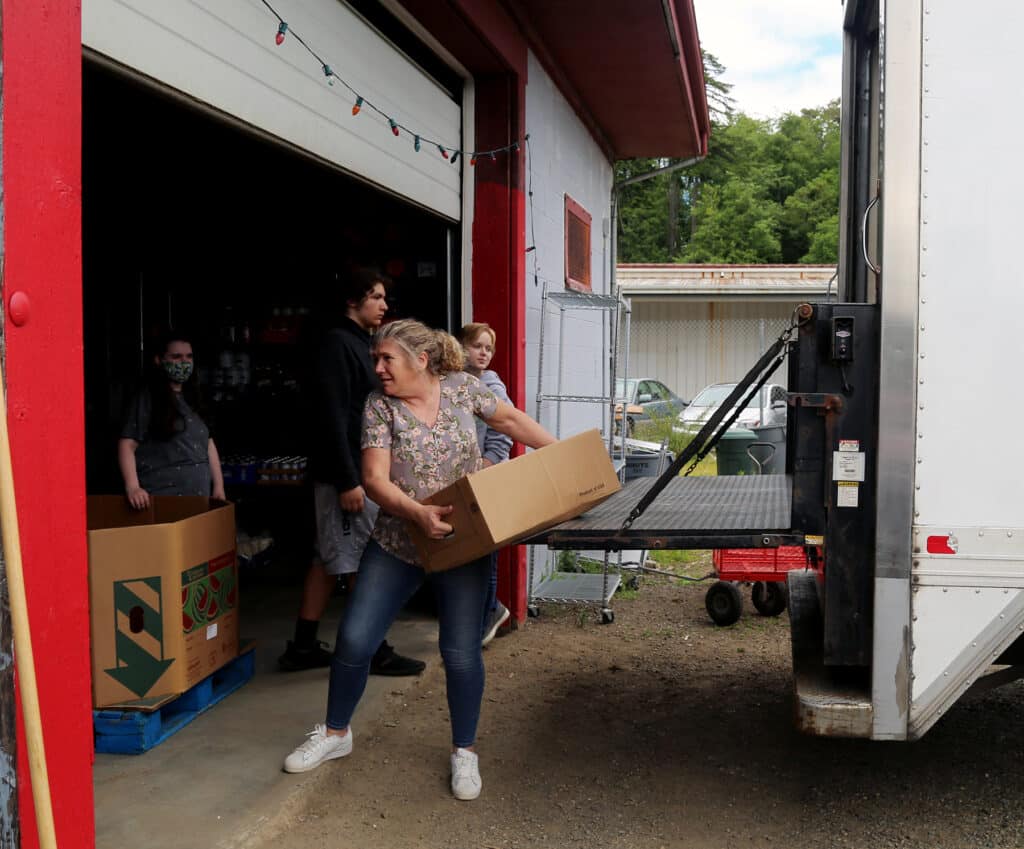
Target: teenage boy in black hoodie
pixel 344 376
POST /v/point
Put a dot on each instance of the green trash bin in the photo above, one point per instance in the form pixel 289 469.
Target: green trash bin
pixel 731 452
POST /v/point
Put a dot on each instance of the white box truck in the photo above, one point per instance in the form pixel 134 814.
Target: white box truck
pixel 902 456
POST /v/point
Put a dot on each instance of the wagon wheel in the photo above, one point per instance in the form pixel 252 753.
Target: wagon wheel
pixel 769 597
pixel 724 603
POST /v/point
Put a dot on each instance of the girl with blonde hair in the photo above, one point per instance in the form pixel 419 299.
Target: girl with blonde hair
pixel 478 341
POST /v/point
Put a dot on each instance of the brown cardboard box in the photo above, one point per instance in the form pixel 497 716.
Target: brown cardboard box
pixel 163 587
pixel 507 502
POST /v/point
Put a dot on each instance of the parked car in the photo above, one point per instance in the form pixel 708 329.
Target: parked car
pixel 768 407
pixel 646 399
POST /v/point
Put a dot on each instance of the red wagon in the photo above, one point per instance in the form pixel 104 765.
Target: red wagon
pixel 765 569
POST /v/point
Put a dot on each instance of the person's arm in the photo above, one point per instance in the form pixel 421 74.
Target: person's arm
pixel 497 446
pixel 216 472
pixel 378 484
pixel 515 423
pixel 133 432
pixel 137 496
pixel 335 369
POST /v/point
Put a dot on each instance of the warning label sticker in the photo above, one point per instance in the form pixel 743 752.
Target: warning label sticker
pixel 849 445
pixel 848 466
pixel 848 494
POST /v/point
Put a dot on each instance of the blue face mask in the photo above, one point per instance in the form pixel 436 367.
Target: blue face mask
pixel 177 372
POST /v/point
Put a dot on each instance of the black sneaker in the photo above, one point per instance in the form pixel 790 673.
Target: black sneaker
pixel 296 659
pixel 389 662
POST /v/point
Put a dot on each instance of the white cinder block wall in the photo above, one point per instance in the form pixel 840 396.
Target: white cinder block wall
pixel 565 160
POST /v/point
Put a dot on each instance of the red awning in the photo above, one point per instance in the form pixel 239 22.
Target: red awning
pixel 632 66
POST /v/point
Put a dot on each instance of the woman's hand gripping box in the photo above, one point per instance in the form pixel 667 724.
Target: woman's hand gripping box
pixel 499 505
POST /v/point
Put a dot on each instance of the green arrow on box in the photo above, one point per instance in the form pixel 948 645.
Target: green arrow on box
pixel 137 668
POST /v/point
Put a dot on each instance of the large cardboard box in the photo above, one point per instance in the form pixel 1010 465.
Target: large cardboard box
pixel 502 504
pixel 163 586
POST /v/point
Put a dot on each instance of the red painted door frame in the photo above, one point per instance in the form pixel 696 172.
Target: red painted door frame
pixel 41 150
pixel 499 265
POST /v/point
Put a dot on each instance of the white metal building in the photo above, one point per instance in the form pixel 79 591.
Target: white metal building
pixel 693 325
pixel 574 166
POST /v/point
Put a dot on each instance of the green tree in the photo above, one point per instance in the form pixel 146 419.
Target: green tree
pixel 643 213
pixel 824 245
pixel 768 191
pixel 736 224
pixel 654 218
pixel 805 210
pixel 720 102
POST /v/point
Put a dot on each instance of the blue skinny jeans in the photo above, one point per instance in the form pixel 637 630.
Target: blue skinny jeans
pixel 385 584
pixel 491 599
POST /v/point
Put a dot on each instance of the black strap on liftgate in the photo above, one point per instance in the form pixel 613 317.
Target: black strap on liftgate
pixel 709 435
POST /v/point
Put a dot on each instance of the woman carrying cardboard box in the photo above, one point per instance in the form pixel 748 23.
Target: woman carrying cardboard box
pixel 419 436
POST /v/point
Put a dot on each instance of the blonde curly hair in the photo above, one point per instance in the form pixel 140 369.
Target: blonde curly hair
pixel 444 353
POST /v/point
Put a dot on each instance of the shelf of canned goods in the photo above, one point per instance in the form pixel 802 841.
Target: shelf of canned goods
pixel 244 469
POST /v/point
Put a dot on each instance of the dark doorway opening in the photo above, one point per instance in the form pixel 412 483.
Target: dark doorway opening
pixel 193 221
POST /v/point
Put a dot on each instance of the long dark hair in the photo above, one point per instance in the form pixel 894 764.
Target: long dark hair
pixel 165 420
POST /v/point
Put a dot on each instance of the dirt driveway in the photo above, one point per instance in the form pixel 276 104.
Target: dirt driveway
pixel 660 730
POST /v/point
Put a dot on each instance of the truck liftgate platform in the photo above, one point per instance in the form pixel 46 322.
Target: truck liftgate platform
pixel 705 512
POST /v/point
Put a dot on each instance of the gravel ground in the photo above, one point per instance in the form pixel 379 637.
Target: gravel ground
pixel 660 730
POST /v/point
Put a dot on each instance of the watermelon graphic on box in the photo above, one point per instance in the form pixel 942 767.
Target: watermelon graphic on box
pixel 207 592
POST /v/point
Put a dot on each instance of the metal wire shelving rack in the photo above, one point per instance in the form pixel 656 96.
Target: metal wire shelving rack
pixel 575 587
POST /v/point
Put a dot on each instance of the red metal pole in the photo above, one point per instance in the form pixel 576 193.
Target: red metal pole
pixel 499 265
pixel 42 290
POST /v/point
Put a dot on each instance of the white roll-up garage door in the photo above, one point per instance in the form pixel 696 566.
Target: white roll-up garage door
pixel 223 53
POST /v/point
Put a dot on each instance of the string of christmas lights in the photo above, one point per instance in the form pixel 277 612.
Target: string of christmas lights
pixel 448 152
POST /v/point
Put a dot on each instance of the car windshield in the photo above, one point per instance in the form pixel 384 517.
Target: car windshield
pixel 624 389
pixel 712 396
pixel 759 400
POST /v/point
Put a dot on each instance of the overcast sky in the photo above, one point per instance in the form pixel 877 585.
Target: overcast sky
pixel 779 55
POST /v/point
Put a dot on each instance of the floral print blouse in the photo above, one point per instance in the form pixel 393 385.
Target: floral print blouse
pixel 424 458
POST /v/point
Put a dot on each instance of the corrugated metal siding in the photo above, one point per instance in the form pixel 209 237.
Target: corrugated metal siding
pixel 222 53
pixel 689 344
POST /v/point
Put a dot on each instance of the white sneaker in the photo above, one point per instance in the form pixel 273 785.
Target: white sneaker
pixel 465 775
pixel 319 747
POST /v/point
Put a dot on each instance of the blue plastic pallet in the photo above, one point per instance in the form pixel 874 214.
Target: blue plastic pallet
pixel 132 732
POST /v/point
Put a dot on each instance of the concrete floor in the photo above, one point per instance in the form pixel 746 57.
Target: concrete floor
pixel 216 780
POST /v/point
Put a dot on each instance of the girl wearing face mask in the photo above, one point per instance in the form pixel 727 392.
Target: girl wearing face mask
pixel 165 447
